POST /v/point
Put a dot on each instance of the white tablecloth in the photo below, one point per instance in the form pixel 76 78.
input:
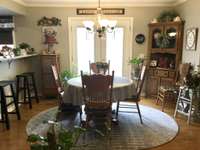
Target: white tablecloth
pixel 122 88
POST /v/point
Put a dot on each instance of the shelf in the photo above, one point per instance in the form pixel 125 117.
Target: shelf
pixel 169 51
pixel 165 69
pixel 17 57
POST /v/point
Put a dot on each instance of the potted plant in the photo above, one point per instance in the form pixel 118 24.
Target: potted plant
pixel 136 63
pixel 167 16
pixel 24 45
pixel 57 138
pixel 17 51
pixel 65 76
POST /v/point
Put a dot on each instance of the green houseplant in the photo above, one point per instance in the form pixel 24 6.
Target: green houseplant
pixel 61 139
pixel 24 45
pixel 66 75
pixel 17 51
pixel 167 16
pixel 136 63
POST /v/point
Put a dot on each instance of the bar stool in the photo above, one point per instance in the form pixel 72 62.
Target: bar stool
pixel 4 103
pixel 26 84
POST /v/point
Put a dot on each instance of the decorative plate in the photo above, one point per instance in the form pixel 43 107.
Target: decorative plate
pixel 191 38
pixel 140 38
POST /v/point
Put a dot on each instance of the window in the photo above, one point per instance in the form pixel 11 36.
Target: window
pixel 85 49
pixel 114 50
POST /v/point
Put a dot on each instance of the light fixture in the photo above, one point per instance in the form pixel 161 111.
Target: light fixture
pixel 101 26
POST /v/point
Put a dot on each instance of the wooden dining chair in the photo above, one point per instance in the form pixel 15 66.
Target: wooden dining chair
pixel 97 96
pixel 99 67
pixel 135 98
pixel 170 92
pixel 59 87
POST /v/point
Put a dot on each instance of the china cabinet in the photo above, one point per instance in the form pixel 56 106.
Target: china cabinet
pixel 164 53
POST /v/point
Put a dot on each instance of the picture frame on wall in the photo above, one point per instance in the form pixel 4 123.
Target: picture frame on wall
pixel 191 39
pixel 153 63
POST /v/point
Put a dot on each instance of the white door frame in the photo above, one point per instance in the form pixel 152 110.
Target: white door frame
pixel 128 39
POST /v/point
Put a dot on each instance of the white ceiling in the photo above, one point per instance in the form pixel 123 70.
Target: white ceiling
pixel 94 3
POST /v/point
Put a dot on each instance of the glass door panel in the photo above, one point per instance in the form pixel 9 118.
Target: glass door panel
pixel 114 50
pixel 85 49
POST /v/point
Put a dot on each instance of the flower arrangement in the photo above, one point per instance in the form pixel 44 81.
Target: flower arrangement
pixel 7 52
pixel 193 79
pixel 167 16
pixel 44 21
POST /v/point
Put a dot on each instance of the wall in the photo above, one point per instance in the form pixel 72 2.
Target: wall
pixel 28 31
pixel 189 11
pixel 17 66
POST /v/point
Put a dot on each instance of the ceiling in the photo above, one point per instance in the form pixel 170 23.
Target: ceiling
pixel 94 3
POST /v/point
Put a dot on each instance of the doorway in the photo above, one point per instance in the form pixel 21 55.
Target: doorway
pixel 116 47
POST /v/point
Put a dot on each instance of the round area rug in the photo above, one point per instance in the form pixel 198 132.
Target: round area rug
pixel 157 129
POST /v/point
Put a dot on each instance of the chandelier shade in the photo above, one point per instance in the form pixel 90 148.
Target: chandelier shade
pixel 100 26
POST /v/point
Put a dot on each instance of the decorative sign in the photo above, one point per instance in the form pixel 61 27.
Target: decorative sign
pixel 191 39
pixel 106 11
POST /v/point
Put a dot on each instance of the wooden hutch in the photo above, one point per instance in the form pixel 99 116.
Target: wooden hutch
pixel 164 53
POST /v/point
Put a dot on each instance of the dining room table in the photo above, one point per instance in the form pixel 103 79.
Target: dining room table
pixel 122 88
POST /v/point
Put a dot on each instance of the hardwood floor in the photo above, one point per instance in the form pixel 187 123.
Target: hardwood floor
pixel 15 138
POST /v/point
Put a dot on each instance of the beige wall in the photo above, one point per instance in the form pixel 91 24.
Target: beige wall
pixel 189 11
pixel 28 31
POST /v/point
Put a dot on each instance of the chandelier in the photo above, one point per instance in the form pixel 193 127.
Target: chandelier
pixel 101 26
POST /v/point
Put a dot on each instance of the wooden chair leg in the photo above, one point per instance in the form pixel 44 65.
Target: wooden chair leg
pixel 190 112
pixel 117 110
pixel 25 87
pixel 29 94
pixel 5 111
pixel 157 99
pixel 138 108
pixel 15 102
pixel 35 88
pixel 163 104
pixel 17 89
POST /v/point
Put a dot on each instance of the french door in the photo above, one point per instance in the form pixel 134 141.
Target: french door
pixel 85 47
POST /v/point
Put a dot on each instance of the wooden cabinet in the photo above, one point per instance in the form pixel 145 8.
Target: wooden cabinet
pixel 152 85
pixel 164 53
pixel 48 83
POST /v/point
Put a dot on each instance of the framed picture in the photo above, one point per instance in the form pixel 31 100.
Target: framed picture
pixel 191 39
pixel 49 34
pixel 153 63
